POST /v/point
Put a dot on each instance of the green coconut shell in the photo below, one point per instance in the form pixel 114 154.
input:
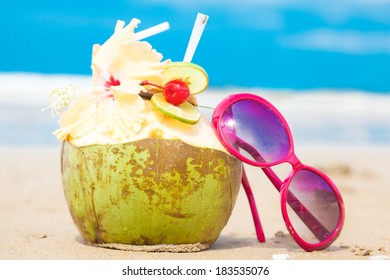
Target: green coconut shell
pixel 148 192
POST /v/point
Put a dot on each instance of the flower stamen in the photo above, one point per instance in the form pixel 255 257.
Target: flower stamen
pixel 61 98
pixel 112 82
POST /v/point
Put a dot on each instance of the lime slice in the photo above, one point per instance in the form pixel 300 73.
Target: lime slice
pixel 184 112
pixel 194 75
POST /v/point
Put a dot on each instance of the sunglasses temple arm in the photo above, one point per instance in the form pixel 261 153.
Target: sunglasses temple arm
pixel 239 143
pixel 275 180
pixel 252 204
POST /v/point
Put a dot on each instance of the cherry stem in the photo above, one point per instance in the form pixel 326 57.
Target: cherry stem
pixel 147 83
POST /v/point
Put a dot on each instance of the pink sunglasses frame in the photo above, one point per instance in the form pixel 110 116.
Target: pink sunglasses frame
pixel 282 187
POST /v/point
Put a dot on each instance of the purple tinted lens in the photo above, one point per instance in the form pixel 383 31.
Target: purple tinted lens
pixel 312 206
pixel 255 131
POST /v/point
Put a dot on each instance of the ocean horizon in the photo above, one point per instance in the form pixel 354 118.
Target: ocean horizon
pixel 316 117
pixel 300 45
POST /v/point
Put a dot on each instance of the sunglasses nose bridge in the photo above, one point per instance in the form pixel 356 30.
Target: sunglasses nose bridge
pixel 294 161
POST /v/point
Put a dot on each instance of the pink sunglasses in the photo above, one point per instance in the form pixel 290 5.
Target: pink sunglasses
pixel 254 131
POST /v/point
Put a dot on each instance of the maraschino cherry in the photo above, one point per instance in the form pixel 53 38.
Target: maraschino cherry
pixel 175 92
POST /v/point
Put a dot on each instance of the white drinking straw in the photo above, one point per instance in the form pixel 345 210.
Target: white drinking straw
pixel 197 31
pixel 151 31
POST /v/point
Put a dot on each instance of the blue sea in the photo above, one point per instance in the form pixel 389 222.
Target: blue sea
pixel 324 64
pixel 316 117
pixel 280 44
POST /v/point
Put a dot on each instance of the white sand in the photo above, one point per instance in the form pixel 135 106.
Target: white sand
pixel 35 222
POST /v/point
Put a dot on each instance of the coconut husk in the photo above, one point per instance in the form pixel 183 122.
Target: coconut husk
pixel 170 248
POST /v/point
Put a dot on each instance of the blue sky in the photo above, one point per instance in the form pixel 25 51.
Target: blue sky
pixel 302 44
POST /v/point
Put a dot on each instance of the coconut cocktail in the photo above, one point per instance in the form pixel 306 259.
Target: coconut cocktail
pixel 140 165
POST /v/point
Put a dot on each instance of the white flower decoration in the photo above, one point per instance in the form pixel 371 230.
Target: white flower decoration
pixel 112 111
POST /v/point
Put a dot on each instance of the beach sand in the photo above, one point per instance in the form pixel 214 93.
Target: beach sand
pixel 35 222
